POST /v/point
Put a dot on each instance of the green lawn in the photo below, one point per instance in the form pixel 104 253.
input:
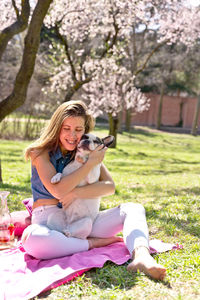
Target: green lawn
pixel 159 170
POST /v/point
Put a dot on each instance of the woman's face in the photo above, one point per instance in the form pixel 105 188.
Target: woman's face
pixel 71 132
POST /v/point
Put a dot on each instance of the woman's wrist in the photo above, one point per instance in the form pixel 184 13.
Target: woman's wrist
pixel 90 164
pixel 76 193
pixel 68 199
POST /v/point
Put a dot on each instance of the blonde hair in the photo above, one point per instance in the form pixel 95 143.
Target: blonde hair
pixel 49 138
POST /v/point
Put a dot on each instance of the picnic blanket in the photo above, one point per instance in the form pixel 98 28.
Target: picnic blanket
pixel 24 277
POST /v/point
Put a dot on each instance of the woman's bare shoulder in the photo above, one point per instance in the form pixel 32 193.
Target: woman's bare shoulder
pixel 38 156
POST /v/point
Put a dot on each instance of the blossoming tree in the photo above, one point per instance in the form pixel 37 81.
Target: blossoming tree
pixel 92 31
pixel 112 91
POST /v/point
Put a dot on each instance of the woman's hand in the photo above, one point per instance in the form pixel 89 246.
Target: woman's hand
pixel 68 199
pixel 97 155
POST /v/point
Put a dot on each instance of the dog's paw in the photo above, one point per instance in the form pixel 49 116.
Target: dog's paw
pixel 67 233
pixel 80 159
pixel 56 178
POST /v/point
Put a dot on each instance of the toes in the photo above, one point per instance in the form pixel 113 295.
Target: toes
pixel 155 272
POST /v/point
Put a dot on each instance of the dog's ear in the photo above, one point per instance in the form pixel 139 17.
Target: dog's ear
pixel 108 140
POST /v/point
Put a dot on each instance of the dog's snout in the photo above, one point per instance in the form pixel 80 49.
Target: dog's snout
pixel 84 144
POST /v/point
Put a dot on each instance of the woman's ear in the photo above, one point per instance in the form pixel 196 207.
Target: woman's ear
pixel 108 140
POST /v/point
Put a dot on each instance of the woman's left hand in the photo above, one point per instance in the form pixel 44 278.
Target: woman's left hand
pixel 68 199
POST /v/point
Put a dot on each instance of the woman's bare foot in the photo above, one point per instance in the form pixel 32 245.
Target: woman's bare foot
pixel 145 263
pixel 101 242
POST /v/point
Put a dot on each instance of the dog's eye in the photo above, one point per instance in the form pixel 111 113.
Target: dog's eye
pixel 98 141
pixel 85 137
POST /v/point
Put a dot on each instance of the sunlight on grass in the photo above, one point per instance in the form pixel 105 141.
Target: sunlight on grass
pixel 159 170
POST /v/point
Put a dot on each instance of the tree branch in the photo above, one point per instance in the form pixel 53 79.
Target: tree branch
pixel 148 57
pixel 114 39
pixel 15 8
pixel 20 25
pixel 76 87
pixel 32 41
pixel 64 42
pixel 69 12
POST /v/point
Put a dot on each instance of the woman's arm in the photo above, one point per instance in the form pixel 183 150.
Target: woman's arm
pixel 46 171
pixel 104 187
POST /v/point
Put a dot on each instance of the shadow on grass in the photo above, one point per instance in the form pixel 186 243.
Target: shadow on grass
pixel 189 226
pixel 12 160
pixel 182 192
pixel 172 160
pixel 140 132
pixel 15 188
pixel 193 191
pixel 11 152
pixel 42 295
pixel 125 153
pixel 122 167
pixel 153 172
pixel 113 277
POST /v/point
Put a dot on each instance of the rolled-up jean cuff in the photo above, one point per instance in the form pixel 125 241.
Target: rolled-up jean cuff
pixel 139 242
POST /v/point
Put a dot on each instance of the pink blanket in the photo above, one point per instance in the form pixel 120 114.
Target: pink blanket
pixel 24 277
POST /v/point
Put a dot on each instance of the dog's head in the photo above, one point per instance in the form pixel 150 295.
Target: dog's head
pixel 89 142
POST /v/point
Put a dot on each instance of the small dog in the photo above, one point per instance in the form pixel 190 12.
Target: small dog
pixel 77 219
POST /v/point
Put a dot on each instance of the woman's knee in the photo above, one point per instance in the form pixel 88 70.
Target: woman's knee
pixel 27 232
pixel 133 207
pixel 35 240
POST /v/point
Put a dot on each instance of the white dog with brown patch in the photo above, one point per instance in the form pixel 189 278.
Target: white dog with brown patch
pixel 77 219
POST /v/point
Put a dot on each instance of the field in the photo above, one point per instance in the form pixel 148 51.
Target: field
pixel 161 171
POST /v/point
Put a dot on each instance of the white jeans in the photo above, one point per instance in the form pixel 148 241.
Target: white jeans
pixel 44 243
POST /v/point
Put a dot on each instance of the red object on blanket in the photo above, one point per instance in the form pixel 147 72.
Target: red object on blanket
pixel 11 228
pixel 20 219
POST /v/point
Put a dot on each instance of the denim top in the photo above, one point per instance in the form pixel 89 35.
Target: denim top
pixel 59 162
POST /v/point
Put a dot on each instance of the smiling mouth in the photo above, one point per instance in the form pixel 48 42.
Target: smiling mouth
pixel 71 142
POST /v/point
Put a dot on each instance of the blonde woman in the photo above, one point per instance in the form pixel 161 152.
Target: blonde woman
pixel 49 155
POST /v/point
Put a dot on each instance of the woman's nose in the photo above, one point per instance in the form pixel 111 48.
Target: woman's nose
pixel 73 133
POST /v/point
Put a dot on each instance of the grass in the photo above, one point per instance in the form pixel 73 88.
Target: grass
pixel 159 170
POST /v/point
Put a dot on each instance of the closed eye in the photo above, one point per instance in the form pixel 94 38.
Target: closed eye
pixel 98 141
pixel 85 137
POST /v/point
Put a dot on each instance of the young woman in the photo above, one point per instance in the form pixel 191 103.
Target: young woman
pixel 49 155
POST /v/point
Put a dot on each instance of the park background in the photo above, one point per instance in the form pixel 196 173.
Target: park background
pixel 137 65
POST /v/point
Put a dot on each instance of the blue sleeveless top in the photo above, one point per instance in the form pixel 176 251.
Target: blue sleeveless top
pixel 59 162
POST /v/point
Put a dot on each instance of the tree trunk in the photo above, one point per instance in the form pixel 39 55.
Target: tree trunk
pixel 1 180
pixel 180 123
pixel 128 120
pixel 120 125
pixel 20 25
pixel 32 41
pixel 73 89
pixel 159 116
pixel 196 116
pixel 113 127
